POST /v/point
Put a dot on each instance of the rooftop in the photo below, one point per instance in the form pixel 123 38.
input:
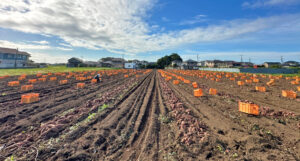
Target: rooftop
pixel 12 51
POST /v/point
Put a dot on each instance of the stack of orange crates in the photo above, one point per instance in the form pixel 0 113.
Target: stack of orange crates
pixel 289 94
pixel 30 98
pixel 26 87
pixel 249 108
pixel 13 83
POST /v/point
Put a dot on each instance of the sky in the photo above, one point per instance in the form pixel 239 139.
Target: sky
pixel 53 31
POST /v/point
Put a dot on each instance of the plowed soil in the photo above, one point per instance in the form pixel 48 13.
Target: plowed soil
pixel 145 117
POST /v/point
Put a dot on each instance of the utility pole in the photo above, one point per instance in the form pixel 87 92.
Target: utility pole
pixel 241 58
pixel 249 60
pixel 281 59
pixel 197 57
pixel 16 57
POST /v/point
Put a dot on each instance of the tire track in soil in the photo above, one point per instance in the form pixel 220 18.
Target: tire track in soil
pixel 231 130
pixel 103 133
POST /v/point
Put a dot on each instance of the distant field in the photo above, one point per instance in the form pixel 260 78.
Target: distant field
pixel 46 70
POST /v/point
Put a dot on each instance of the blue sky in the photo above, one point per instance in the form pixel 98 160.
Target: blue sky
pixel 53 31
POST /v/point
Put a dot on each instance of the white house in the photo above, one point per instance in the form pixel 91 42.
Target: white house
pixel 130 65
pixel 12 58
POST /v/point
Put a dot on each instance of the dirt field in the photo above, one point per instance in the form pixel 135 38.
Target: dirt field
pixel 146 117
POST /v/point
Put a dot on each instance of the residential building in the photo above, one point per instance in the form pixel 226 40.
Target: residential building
pixel 176 63
pixel 114 62
pixel 189 64
pixel 130 66
pixel 12 58
pixel 291 64
pixel 272 64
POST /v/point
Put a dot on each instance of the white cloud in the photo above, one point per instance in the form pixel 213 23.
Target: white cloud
pixel 119 26
pixel 64 49
pixel 49 58
pixel 43 42
pixel 23 46
pixel 165 19
pixel 197 19
pixel 268 3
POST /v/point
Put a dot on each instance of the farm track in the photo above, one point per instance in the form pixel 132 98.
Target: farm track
pixel 131 125
pixel 235 128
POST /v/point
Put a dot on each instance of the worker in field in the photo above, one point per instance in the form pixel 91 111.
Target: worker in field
pixel 97 77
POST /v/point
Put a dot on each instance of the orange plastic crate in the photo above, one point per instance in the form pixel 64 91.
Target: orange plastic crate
pixel 126 76
pixel 240 83
pixel 32 81
pixel 26 87
pixel 213 91
pixel 21 78
pixel 248 81
pixel 53 78
pixel 295 82
pixel 81 78
pixel 30 98
pixel 289 94
pixel 195 85
pixel 233 79
pixel 248 108
pixel 42 79
pixel 63 82
pixel 175 82
pixel 39 75
pixel 298 88
pixel 198 92
pixel 261 89
pixel 93 81
pixel 256 80
pixel 187 81
pixel 80 85
pixel 13 83
pixel 89 77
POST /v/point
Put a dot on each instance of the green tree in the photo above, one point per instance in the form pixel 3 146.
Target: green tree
pixel 167 60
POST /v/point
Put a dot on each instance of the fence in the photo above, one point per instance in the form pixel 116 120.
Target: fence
pixel 253 70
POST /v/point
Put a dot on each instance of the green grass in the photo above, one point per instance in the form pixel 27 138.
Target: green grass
pixel 52 69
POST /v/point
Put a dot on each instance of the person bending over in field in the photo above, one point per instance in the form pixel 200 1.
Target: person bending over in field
pixel 97 77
